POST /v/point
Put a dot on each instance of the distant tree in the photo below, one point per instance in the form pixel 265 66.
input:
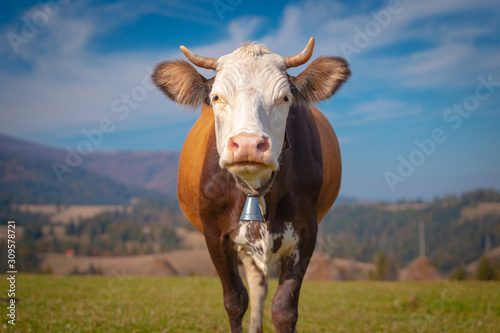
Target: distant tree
pixel 75 271
pixel 85 249
pixel 485 270
pixel 168 239
pixel 33 232
pixel 118 248
pixel 93 270
pixel 51 230
pixel 458 274
pixel 382 266
pixel 27 259
pixel 391 272
pixel 70 228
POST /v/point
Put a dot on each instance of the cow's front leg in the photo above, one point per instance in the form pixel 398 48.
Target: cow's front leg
pixel 224 257
pixel 284 309
pixel 285 305
pixel 257 286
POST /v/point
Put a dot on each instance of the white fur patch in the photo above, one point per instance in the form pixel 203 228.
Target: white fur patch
pixel 256 241
pixel 257 285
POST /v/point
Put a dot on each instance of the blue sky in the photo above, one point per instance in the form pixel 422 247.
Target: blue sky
pixel 418 67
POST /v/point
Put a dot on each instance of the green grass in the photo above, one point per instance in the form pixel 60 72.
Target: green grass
pixel 194 304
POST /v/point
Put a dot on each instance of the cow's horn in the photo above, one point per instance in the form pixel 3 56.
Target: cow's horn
pixel 204 62
pixel 302 57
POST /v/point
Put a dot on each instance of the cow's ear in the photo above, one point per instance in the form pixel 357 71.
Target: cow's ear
pixel 320 80
pixel 182 83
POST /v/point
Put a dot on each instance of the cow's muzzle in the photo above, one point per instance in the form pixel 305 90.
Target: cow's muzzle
pixel 249 155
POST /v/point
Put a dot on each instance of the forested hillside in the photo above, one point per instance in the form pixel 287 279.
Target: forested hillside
pixel 458 230
pixel 144 228
pixel 453 235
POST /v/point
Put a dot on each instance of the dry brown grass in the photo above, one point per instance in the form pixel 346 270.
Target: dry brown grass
pixel 404 206
pixel 65 214
pixel 183 262
pixel 42 209
pixel 191 239
pixel 482 209
pixel 193 259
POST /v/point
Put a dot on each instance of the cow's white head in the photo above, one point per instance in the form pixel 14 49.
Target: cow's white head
pixel 251 95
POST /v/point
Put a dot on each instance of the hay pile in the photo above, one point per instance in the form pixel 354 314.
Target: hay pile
pixel 493 257
pixel 323 267
pixel 162 267
pixel 420 269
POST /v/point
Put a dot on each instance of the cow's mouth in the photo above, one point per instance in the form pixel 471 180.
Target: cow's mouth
pixel 254 179
pixel 246 168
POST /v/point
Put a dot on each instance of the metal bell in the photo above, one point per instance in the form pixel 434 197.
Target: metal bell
pixel 251 210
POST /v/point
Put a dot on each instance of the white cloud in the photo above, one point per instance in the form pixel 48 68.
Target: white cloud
pixel 380 110
pixel 346 140
pixel 70 88
pixel 446 66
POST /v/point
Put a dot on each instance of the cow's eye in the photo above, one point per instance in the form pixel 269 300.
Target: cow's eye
pixel 215 99
pixel 285 99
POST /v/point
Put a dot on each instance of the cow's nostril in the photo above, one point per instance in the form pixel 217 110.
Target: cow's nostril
pixel 233 144
pixel 263 145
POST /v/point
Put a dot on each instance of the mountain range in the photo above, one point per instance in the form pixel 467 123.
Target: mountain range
pixel 155 170
pixel 33 173
pixel 28 174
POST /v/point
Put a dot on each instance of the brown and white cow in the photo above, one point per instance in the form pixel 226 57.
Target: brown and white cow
pixel 252 112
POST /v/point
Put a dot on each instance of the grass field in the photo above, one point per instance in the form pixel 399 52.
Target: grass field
pixel 194 304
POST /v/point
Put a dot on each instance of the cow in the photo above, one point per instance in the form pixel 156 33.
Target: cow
pixel 260 135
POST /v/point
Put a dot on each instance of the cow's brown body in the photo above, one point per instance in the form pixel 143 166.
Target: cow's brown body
pixel 306 185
